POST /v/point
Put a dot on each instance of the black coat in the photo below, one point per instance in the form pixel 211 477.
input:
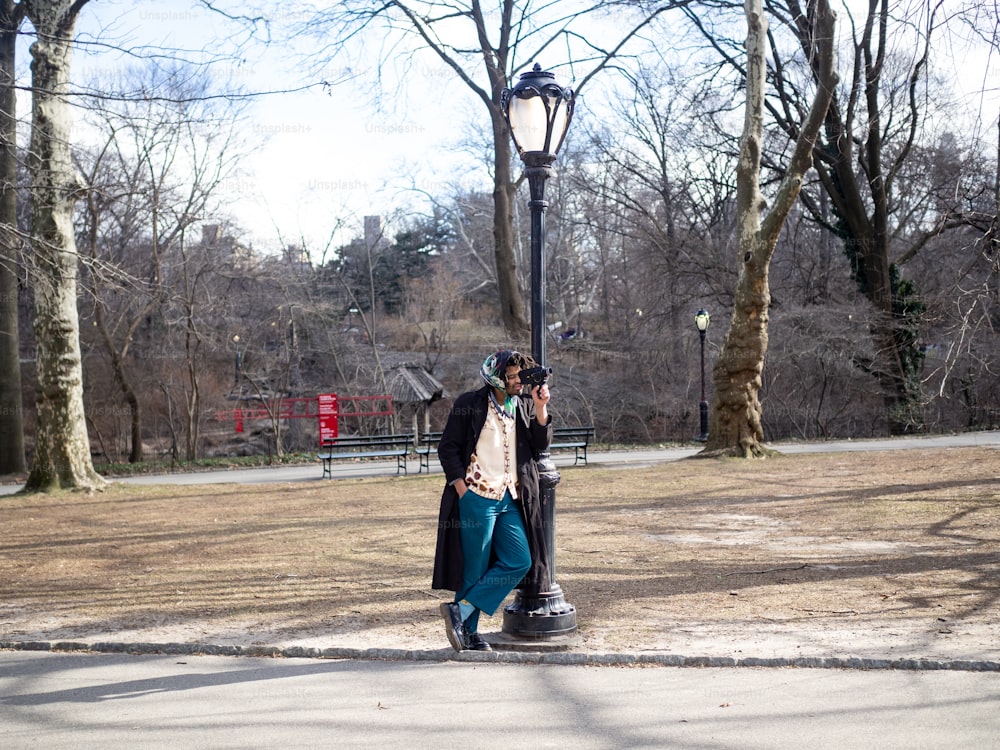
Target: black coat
pixel 458 442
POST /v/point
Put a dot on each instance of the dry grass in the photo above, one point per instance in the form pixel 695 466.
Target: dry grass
pixel 866 553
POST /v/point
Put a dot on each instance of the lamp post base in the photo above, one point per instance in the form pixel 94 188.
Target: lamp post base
pixel 541 616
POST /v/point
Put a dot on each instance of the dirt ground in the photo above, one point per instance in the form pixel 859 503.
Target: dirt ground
pixel 887 554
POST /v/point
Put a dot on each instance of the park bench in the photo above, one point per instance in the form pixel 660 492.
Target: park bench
pixel 427 446
pixel 353 447
pixel 577 438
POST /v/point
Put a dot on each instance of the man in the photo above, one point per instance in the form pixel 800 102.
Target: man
pixel 489 526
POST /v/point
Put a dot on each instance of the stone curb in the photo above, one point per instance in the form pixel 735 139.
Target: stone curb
pixel 505 657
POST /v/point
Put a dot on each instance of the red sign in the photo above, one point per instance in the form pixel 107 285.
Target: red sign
pixel 328 414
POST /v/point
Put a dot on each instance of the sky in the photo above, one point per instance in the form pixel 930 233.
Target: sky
pixel 320 157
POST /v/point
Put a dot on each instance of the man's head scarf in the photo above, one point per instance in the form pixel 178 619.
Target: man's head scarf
pixel 494 369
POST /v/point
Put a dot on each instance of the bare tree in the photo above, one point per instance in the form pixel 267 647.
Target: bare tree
pixel 872 132
pixel 877 192
pixel 666 183
pixel 159 171
pixel 463 36
pixel 735 426
pixel 198 302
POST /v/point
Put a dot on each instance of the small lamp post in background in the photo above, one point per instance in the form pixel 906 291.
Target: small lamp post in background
pixel 701 319
pixel 238 364
pixel 538 112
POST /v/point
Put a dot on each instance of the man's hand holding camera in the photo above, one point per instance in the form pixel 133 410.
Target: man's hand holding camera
pixel 536 379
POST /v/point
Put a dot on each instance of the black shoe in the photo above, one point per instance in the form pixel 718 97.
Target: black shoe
pixel 454 627
pixel 475 642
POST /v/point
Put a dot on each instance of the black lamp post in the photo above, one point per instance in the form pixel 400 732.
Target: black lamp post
pixel 701 319
pixel 538 112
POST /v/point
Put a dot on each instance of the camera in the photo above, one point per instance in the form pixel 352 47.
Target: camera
pixel 534 376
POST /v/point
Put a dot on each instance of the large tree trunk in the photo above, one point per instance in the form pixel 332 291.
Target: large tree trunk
pixel 497 62
pixel 11 406
pixel 62 447
pixel 735 427
pixel 866 239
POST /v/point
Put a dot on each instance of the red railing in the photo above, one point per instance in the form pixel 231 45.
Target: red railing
pixel 297 408
pixel 327 408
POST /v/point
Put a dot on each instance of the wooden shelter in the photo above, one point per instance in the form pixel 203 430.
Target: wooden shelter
pixel 413 390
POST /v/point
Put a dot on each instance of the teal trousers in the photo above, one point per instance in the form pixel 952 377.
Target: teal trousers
pixel 496 552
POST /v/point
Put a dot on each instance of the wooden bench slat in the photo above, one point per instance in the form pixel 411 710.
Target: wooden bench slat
pixel 356 454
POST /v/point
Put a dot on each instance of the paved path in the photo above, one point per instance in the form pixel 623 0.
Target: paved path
pixel 313 472
pixel 56 701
